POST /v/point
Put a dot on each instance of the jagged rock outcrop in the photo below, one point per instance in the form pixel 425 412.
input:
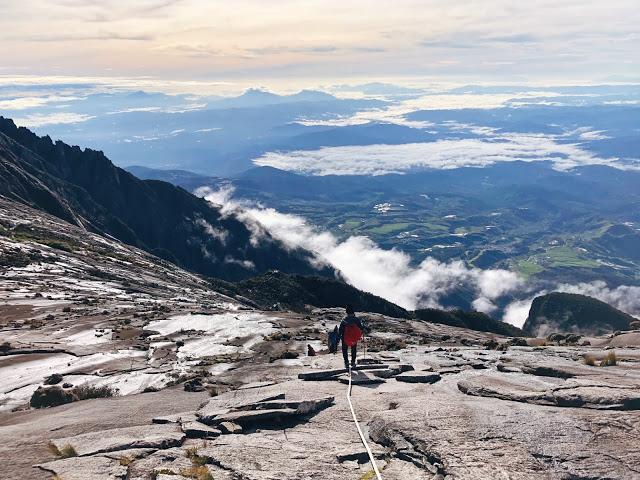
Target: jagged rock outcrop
pixel 84 188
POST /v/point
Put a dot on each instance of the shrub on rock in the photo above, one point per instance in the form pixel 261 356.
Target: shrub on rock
pixel 45 397
pixel 85 392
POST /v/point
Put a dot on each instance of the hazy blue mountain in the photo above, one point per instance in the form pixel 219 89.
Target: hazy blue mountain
pixel 214 141
pixel 259 98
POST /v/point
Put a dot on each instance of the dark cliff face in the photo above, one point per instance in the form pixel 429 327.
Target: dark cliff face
pixel 572 313
pixel 84 188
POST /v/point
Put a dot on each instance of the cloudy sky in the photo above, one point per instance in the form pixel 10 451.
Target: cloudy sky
pixel 564 40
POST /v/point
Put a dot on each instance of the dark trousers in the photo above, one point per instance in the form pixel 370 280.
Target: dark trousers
pixel 345 355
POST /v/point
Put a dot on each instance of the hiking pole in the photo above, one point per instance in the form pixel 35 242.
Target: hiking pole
pixel 364 338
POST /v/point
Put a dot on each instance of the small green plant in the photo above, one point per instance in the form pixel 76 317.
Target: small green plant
pixel 610 360
pixel 66 452
pixel 589 360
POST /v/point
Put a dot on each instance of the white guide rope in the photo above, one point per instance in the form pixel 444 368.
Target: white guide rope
pixel 364 441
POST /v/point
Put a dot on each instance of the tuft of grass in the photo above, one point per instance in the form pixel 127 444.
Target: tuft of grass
pixel 610 360
pixel 53 449
pixel 191 452
pixel 162 471
pixel 66 452
pixel 589 360
pixel 197 473
pixel 197 460
pixel 370 475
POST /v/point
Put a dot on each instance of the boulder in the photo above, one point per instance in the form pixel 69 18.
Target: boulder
pixel 53 379
pixel 194 385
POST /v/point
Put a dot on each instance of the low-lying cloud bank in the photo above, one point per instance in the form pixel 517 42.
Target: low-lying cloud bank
pixel 391 275
pixel 442 154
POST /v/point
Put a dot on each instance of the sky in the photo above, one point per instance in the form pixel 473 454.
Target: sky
pixel 305 41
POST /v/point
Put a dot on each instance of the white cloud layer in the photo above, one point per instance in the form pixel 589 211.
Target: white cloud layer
pixel 390 274
pixel 40 119
pixel 386 273
pixel 443 154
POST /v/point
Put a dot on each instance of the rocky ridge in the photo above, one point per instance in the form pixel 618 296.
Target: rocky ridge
pixel 207 386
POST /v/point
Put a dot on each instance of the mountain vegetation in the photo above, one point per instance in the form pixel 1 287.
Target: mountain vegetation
pixel 478 321
pixel 568 312
pixel 282 291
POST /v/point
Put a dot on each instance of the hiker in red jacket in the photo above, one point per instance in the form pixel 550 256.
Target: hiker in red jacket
pixel 350 332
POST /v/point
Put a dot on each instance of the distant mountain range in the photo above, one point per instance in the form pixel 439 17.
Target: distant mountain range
pixel 259 98
pixel 84 188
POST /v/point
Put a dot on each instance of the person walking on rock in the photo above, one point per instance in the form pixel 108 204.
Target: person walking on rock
pixel 350 332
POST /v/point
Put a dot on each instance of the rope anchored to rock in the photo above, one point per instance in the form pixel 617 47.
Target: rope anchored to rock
pixel 362 438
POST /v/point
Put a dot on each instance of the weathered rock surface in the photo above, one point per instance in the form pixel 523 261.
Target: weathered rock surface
pixel 332 374
pixel 561 394
pixel 265 413
pixel 418 377
pixel 147 436
pixel 360 378
pixel 86 468
pixel 176 418
pixel 199 430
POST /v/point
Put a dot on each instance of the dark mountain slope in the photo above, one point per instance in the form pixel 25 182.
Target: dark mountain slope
pixel 568 312
pixel 84 188
pixel 280 291
pixel 297 292
pixel 478 321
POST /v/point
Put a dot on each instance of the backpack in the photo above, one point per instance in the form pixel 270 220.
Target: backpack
pixel 333 339
pixel 352 334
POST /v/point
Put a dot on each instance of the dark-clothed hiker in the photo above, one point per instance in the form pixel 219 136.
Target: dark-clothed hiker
pixel 351 331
